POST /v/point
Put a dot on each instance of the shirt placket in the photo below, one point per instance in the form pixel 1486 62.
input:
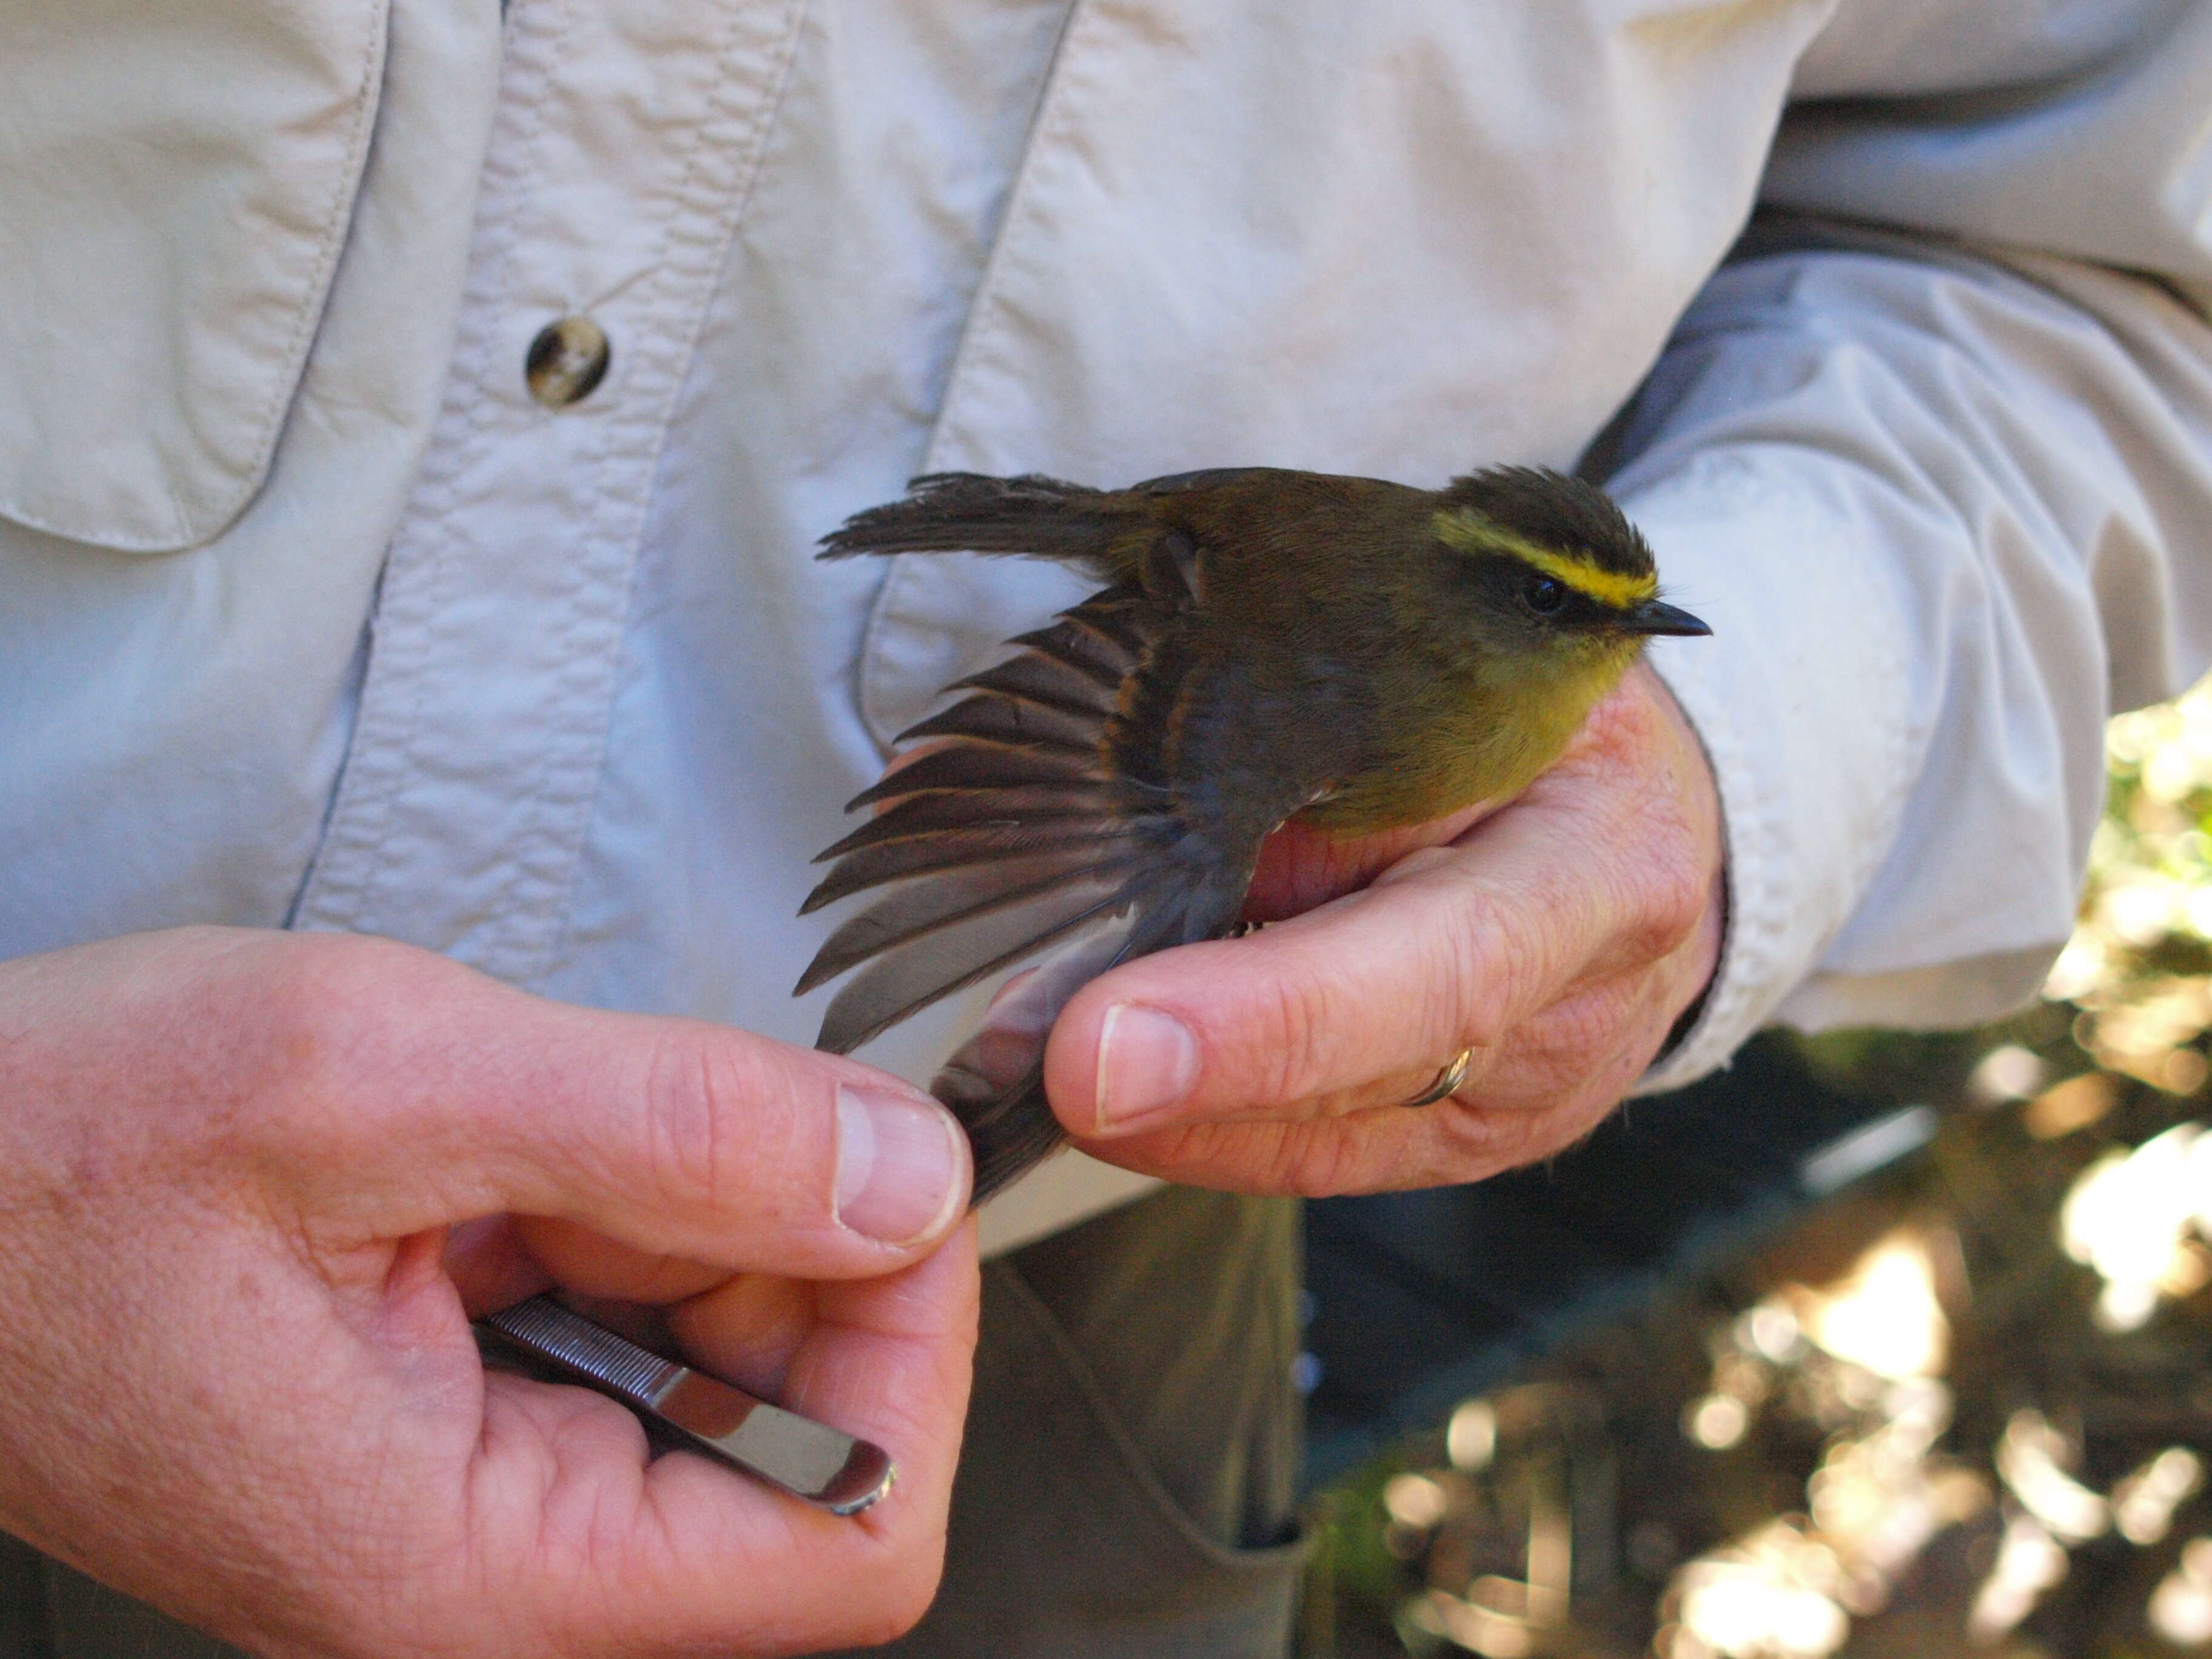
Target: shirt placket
pixel 626 140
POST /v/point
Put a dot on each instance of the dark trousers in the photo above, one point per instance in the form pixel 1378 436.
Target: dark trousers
pixel 1128 1487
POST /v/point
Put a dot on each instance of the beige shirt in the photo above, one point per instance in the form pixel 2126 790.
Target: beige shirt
pixel 310 615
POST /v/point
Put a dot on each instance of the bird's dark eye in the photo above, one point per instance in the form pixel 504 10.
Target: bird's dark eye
pixel 1543 594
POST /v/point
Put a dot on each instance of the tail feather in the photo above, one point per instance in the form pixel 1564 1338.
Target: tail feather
pixel 995 1081
pixel 1022 1133
pixel 967 512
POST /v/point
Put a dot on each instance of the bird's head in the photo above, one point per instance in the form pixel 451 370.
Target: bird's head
pixel 1550 559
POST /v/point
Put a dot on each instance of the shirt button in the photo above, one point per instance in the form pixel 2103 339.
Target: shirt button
pixel 567 360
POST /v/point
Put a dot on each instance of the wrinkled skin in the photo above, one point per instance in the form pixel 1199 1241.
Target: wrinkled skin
pixel 1559 936
pixel 252 1186
pixel 251 1191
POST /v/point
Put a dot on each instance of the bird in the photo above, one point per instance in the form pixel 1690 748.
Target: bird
pixel 1265 645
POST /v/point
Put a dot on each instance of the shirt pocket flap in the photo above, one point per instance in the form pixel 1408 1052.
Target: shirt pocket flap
pixel 178 176
pixel 941 615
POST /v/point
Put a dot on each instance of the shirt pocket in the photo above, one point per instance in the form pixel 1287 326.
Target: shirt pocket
pixel 176 178
pixel 939 617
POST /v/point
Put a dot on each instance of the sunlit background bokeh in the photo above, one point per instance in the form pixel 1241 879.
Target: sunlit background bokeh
pixel 1965 1407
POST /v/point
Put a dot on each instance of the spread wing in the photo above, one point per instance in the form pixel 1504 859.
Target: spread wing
pixel 1021 832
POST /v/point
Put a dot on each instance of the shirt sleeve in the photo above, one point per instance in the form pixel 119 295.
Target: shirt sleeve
pixel 1945 514
pixel 1933 455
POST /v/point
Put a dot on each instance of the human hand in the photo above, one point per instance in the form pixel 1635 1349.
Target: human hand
pixel 1558 937
pixel 237 1378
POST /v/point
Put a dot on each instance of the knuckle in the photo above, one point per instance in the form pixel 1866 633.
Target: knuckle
pixel 1500 963
pixel 1298 1034
pixel 1318 1160
pixel 1474 1142
pixel 688 1093
pixel 1563 1040
pixel 1477 963
pixel 1592 1046
pixel 320 992
pixel 1471 1142
pixel 1669 882
pixel 305 1016
pixel 1674 896
pixel 715 1123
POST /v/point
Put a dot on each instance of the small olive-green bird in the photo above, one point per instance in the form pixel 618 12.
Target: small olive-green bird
pixel 1265 645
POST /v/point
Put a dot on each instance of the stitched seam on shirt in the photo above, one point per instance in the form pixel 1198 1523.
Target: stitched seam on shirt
pixel 1051 114
pixel 442 483
pixel 679 229
pixel 377 763
pixel 336 218
pixel 185 528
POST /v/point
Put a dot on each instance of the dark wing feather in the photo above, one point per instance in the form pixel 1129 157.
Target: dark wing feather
pixel 919 908
pixel 1101 660
pixel 908 978
pixel 954 849
pixel 1034 677
pixel 1001 719
pixel 1122 617
pixel 1016 837
pixel 1050 823
pixel 922 816
pixel 976 767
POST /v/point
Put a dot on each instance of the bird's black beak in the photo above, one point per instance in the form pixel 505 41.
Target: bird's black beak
pixel 1653 617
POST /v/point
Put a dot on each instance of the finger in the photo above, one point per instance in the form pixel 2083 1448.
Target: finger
pixel 581 1260
pixel 1301 867
pixel 1391 981
pixel 707 1561
pixel 1554 1079
pixel 424 1093
pixel 488 1266
pixel 749 1329
pixel 1605 866
pixel 1602 1036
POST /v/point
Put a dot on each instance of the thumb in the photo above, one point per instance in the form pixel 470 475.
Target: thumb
pixel 438 1096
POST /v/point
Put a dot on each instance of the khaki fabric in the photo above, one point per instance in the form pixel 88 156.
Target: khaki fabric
pixel 1128 1490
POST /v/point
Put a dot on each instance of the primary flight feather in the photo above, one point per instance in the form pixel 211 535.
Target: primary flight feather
pixel 1265 645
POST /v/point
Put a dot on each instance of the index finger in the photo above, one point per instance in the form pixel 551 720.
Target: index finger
pixel 675 1554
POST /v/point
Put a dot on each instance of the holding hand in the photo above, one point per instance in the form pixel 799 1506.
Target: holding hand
pixel 236 1373
pixel 1559 938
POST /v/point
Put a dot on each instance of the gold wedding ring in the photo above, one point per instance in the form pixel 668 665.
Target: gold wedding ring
pixel 1448 1080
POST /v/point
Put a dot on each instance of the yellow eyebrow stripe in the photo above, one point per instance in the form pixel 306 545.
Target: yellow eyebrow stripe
pixel 1472 533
